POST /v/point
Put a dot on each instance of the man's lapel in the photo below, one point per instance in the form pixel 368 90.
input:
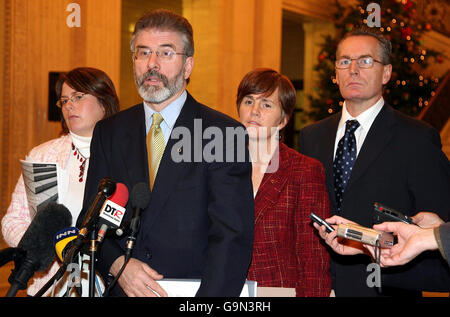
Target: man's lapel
pixel 379 135
pixel 327 154
pixel 134 148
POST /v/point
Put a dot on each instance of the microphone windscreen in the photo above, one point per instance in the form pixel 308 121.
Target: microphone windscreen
pixel 140 196
pixel 37 241
pixel 121 195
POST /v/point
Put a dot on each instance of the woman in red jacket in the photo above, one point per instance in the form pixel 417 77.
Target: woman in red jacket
pixel 287 186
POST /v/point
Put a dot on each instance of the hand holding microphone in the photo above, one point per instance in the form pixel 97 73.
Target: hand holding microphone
pixel 339 245
pixel 412 241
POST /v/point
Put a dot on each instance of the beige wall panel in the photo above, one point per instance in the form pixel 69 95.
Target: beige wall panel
pixel 4 96
pixel 232 37
pixel 205 17
pixel 268 26
pixel 311 8
pixel 103 35
pixel 36 40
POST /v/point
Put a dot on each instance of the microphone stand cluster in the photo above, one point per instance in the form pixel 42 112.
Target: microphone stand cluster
pixel 140 200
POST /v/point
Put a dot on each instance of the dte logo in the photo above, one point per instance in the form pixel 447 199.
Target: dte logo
pixel 74 18
pixel 113 211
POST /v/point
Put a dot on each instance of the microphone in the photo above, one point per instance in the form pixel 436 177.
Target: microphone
pixel 106 188
pixel 113 211
pixel 9 254
pixel 37 242
pixel 140 198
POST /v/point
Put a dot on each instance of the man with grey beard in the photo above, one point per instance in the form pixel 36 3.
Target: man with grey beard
pixel 199 220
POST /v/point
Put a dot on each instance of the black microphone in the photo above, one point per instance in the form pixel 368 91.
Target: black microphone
pixel 140 198
pixel 106 188
pixel 113 211
pixel 9 254
pixel 37 242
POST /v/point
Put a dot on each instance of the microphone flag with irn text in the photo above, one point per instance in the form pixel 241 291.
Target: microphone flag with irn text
pixel 63 241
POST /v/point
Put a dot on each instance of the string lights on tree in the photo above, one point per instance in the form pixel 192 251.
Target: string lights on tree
pixel 409 89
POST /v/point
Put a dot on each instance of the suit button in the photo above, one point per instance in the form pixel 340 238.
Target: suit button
pixel 148 255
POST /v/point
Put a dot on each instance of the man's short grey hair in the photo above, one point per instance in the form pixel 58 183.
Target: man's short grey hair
pixel 165 20
pixel 385 44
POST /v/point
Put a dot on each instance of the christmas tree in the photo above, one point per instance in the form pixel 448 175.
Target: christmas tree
pixel 409 89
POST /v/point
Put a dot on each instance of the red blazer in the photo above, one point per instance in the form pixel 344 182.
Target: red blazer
pixel 287 250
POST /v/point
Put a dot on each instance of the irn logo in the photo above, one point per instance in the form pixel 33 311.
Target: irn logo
pixel 66 233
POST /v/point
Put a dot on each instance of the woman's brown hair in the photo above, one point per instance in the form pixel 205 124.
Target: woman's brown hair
pixel 90 81
pixel 265 81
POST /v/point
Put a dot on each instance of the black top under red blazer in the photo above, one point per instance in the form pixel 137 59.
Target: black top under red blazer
pixel 400 165
pixel 199 222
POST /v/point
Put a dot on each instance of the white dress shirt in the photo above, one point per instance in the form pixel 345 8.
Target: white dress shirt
pixel 365 120
pixel 170 115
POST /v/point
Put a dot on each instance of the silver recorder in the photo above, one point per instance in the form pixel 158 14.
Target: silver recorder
pixel 365 235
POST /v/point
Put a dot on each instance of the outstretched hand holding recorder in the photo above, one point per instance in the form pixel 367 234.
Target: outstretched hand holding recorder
pixel 326 229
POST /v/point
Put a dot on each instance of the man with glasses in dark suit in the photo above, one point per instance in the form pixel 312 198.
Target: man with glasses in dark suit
pixel 199 221
pixel 373 153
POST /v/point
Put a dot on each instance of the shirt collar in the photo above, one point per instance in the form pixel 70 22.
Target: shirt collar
pixel 365 118
pixel 169 113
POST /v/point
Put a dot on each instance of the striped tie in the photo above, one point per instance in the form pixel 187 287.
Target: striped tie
pixel 155 147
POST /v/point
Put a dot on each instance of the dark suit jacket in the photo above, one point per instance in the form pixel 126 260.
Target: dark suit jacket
pixel 199 222
pixel 287 250
pixel 444 240
pixel 400 165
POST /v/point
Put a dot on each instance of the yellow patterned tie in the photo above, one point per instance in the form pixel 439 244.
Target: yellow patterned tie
pixel 155 147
